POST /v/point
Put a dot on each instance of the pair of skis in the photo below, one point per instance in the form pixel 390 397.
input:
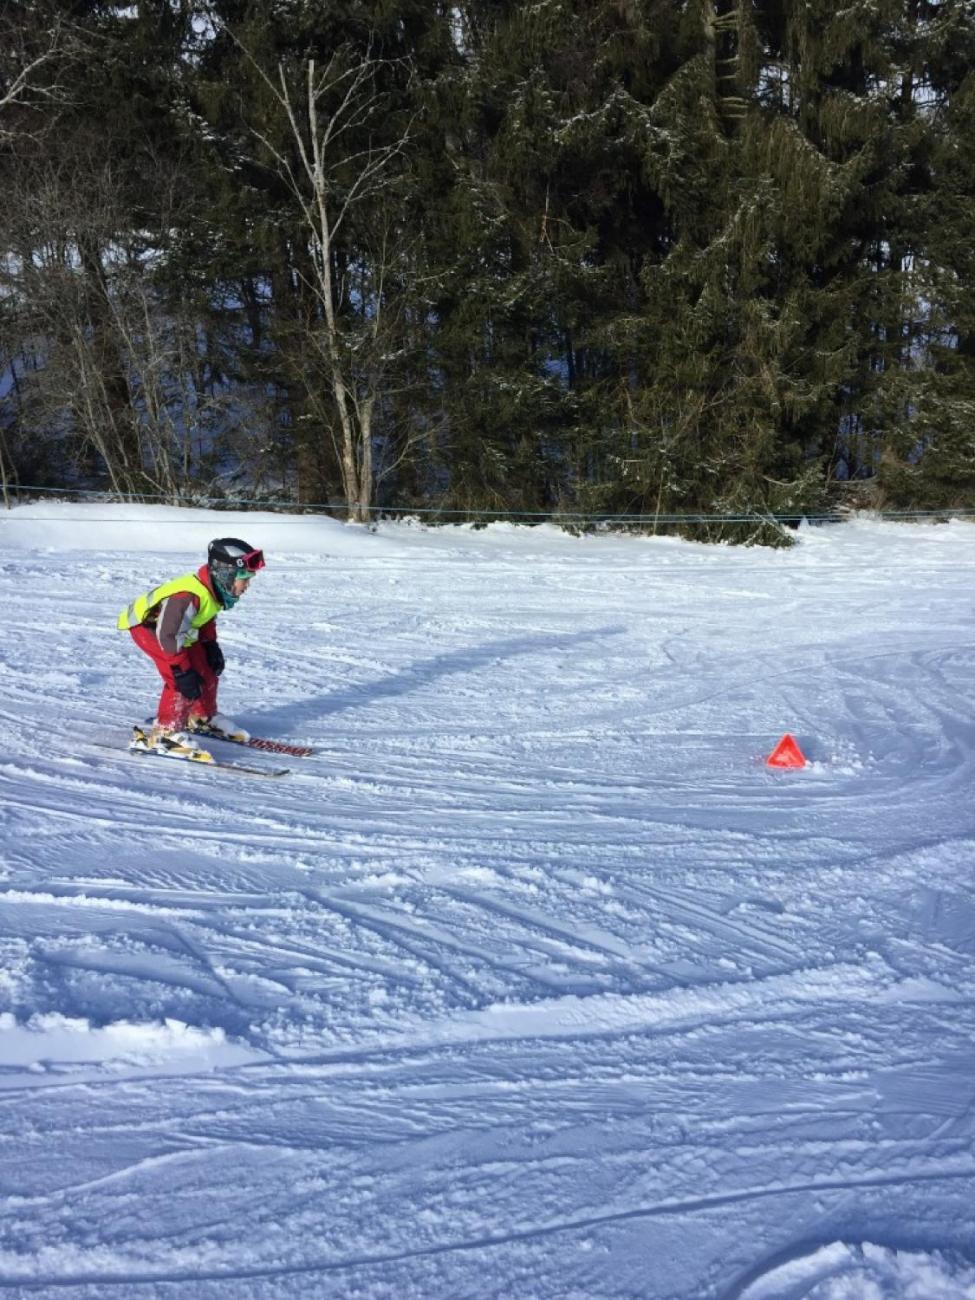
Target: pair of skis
pixel 139 744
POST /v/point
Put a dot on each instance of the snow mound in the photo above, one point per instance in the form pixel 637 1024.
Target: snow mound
pixel 56 526
pixel 864 1272
pixel 53 1044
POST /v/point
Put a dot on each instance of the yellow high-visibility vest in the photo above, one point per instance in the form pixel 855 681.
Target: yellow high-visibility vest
pixel 141 609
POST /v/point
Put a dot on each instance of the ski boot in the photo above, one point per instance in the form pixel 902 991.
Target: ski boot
pixel 169 742
pixel 220 726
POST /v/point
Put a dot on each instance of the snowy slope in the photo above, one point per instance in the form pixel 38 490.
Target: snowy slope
pixel 533 981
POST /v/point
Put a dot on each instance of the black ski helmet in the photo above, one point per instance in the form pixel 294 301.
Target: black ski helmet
pixel 230 559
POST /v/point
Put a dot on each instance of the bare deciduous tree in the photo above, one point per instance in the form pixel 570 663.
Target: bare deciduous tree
pixel 23 73
pixel 332 126
pixel 109 373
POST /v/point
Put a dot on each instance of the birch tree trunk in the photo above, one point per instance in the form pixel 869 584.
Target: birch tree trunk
pixel 332 135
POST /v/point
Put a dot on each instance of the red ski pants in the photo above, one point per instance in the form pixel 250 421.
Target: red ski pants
pixel 174 709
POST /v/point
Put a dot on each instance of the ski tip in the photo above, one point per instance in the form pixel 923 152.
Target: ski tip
pixel 264 744
pixel 279 747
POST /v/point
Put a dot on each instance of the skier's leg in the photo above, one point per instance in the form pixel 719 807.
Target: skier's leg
pixel 173 708
pixel 205 708
pixel 206 705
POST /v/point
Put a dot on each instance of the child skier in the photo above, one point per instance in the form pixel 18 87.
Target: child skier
pixel 176 626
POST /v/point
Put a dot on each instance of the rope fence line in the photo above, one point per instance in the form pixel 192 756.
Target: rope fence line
pixel 555 516
pixel 496 518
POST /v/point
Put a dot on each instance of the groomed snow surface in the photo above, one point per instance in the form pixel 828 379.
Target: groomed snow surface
pixel 534 981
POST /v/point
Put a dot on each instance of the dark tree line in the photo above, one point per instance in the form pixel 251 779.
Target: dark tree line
pixel 634 257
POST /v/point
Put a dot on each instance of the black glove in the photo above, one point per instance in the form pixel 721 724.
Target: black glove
pixel 214 657
pixel 188 682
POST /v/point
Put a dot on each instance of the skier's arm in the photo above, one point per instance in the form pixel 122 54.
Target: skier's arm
pixel 174 618
pixel 214 655
pixel 211 647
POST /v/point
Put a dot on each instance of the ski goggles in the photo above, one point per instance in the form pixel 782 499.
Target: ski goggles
pixel 249 564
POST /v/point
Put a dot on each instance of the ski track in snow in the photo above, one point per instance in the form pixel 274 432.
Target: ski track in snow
pixel 532 981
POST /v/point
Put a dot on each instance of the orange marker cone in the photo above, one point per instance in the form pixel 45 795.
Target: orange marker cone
pixel 786 754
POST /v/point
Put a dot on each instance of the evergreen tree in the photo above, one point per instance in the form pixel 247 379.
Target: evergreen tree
pixel 927 423
pixel 536 241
